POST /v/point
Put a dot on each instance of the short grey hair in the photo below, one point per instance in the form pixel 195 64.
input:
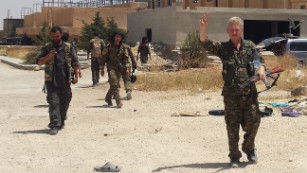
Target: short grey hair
pixel 236 20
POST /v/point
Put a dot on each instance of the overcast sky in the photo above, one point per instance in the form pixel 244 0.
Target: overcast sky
pixel 15 8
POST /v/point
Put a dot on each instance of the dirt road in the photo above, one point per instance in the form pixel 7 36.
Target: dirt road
pixel 141 137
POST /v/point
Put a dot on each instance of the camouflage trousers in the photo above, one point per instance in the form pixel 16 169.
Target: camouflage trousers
pixel 114 81
pixel 241 111
pixel 144 59
pixel 95 70
pixel 58 99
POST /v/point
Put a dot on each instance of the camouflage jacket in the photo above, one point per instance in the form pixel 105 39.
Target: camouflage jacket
pixel 237 64
pixel 64 51
pixel 118 57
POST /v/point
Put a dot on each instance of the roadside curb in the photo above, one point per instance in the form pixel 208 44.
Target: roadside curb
pixel 17 63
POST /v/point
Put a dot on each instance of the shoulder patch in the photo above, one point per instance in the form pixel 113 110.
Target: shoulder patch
pixel 248 43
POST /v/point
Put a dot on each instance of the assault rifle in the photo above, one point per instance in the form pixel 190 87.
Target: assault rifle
pixel 269 74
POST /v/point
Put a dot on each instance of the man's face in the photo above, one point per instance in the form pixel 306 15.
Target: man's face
pixel 56 37
pixel 234 32
pixel 117 39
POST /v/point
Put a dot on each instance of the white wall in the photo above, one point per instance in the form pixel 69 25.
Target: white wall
pixel 171 25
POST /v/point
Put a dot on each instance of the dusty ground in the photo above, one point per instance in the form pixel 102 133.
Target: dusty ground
pixel 141 137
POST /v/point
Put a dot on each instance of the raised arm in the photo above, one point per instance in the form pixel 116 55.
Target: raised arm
pixel 203 22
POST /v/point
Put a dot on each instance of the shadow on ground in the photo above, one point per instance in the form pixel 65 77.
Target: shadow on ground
pixel 39 131
pixel 41 106
pixel 123 98
pixel 103 106
pixel 218 166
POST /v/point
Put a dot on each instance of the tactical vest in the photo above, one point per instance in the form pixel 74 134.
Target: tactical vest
pixel 237 65
pixel 120 58
pixel 49 65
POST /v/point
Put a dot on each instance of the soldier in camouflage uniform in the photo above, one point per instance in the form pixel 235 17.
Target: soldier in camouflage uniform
pixel 241 105
pixel 96 48
pixel 118 57
pixel 144 51
pixel 61 69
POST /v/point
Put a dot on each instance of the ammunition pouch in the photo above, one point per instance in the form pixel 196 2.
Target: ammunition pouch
pixel 229 72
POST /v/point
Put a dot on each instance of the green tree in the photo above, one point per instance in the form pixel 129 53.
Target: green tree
pixel 103 29
pixel 193 55
pixel 40 40
pixel 88 30
pixel 44 35
pixel 112 26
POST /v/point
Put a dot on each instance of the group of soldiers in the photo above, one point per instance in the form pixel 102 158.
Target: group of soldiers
pixel 62 69
pixel 120 62
pixel 237 55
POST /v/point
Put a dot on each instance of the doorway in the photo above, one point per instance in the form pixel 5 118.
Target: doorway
pixel 148 33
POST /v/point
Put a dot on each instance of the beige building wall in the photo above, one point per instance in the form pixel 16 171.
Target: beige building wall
pixel 256 4
pixel 278 4
pixel 71 18
pixel 224 3
pixel 237 3
pixel 299 4
pixel 274 4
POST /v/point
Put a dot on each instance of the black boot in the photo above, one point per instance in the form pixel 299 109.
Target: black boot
pixel 54 131
pixel 252 157
pixel 234 163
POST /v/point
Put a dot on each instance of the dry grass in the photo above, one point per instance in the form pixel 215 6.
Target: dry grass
pixel 192 79
pixel 186 61
pixel 21 52
pixel 289 78
pixel 287 62
pixel 211 78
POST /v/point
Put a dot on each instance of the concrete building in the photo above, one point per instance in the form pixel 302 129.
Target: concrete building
pixel 71 18
pixel 262 19
pixel 10 25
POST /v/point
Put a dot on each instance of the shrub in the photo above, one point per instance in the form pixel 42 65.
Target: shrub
pixel 193 55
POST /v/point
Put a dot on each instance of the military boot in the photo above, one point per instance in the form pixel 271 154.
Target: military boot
pixel 108 101
pixel 252 157
pixel 234 163
pixel 54 131
pixel 129 96
pixel 108 98
pixel 119 104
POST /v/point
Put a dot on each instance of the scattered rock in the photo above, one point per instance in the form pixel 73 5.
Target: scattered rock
pixel 37 68
pixel 158 130
pixel 190 114
pixel 300 91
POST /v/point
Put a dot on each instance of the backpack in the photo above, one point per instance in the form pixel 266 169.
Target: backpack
pixel 96 49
